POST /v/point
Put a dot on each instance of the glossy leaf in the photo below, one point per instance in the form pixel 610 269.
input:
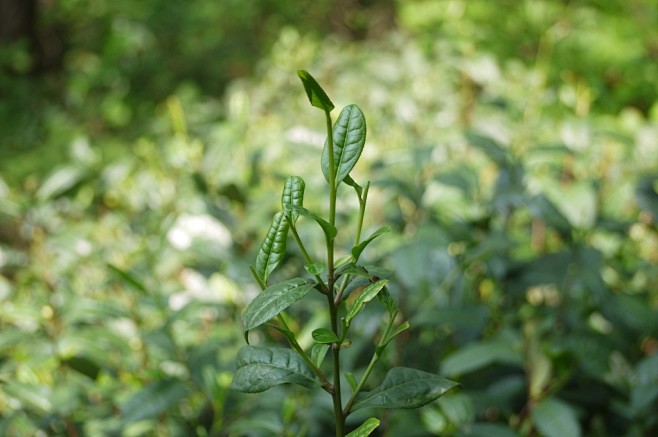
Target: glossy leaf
pixel 293 194
pixel 358 249
pixel 273 300
pixel 261 368
pixel 349 138
pixel 314 91
pixel 323 335
pixel 404 388
pixel 365 429
pixel 368 294
pixel 273 248
pixel 329 230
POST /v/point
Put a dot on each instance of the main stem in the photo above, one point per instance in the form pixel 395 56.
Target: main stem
pixel 333 307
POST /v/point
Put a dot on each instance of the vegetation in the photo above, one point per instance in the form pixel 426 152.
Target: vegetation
pixel 511 149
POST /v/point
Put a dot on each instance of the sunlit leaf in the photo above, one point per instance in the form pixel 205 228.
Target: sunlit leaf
pixel 404 388
pixel 365 429
pixel 261 368
pixel 293 194
pixel 349 137
pixel 273 248
pixel 273 300
pixel 314 91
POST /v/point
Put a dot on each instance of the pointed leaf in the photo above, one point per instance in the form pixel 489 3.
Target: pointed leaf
pixel 329 230
pixel 358 249
pixel 261 368
pixel 323 335
pixel 368 294
pixel 403 327
pixel 293 194
pixel 318 352
pixel 273 300
pixel 385 298
pixel 365 429
pixel 404 388
pixel 349 137
pixel 315 269
pixel 349 181
pixel 314 91
pixel 273 247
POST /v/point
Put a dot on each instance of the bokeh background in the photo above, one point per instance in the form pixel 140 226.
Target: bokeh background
pixel 512 147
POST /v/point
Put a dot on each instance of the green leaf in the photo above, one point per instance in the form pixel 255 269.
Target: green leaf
pixel 404 388
pixel 365 429
pixel 349 137
pixel 349 181
pixel 351 380
pixel 314 91
pixel 403 327
pixel 329 230
pixel 479 355
pixel 385 298
pixel 318 352
pixel 153 399
pixel 293 194
pixel 261 368
pixel 368 294
pixel 273 300
pixel 358 249
pixel 129 278
pixel 315 269
pixel 273 247
pixel 555 418
pixel 323 335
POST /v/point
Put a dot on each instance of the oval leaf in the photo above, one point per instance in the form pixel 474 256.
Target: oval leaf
pixel 358 249
pixel 323 335
pixel 349 137
pixel 273 300
pixel 555 418
pixel 293 194
pixel 365 429
pixel 273 247
pixel 368 294
pixel 314 91
pixel 404 388
pixel 261 368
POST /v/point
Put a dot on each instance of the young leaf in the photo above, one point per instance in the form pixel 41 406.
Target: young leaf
pixel 403 327
pixel 273 300
pixel 323 335
pixel 358 249
pixel 318 352
pixel 293 194
pixel 329 230
pixel 368 294
pixel 404 388
pixel 365 429
pixel 315 269
pixel 349 181
pixel 314 91
pixel 261 368
pixel 349 137
pixel 273 247
pixel 385 298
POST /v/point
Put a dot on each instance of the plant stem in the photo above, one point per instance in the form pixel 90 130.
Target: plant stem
pixel 333 308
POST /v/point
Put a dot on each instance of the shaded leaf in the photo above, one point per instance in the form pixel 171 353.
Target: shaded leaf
pixel 273 247
pixel 479 355
pixel 316 268
pixel 154 399
pixel 261 368
pixel 314 91
pixel 349 137
pixel 404 388
pixel 318 352
pixel 555 418
pixel 323 335
pixel 365 429
pixel 273 300
pixel 358 249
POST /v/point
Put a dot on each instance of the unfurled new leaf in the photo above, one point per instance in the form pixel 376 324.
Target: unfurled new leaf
pixel 365 429
pixel 261 368
pixel 349 137
pixel 273 300
pixel 329 230
pixel 273 248
pixel 368 294
pixel 358 249
pixel 314 91
pixel 404 388
pixel 293 194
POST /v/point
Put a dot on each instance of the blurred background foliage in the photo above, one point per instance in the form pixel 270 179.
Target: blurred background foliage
pixel 513 147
